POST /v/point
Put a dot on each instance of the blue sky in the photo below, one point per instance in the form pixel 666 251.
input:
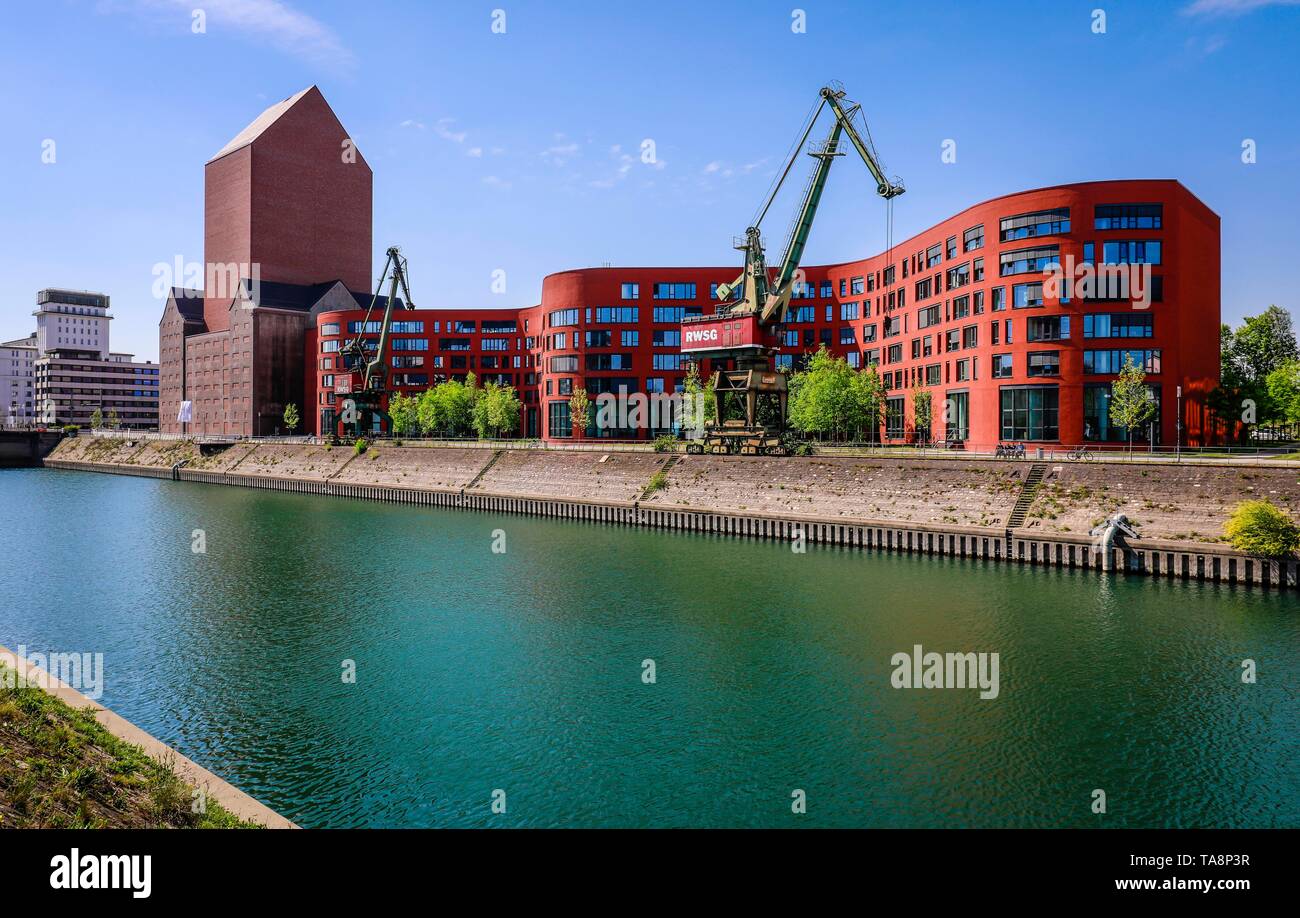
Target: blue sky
pixel 521 151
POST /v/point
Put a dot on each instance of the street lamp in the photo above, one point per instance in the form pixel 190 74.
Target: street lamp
pixel 1178 422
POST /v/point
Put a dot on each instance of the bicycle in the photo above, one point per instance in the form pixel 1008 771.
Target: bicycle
pixel 1080 453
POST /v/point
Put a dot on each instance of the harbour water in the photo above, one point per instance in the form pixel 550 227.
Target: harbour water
pixel 526 670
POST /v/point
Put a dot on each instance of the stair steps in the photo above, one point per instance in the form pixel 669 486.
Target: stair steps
pixel 496 454
pixel 1027 492
pixel 664 469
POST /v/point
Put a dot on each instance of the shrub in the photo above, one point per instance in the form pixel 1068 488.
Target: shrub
pixel 1257 527
pixel 658 482
pixel 360 446
pixel 70 428
pixel 665 444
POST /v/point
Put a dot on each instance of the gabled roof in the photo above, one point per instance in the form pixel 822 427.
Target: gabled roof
pixel 189 303
pixel 259 124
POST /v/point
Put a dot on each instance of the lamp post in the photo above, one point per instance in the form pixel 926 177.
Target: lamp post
pixel 1178 422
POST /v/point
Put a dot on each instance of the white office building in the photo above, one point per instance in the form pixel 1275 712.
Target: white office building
pixel 17 382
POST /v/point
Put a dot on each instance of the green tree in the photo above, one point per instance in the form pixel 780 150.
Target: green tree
pixel 922 412
pixel 1249 355
pixel 291 417
pixel 869 402
pixel 404 413
pixel 113 421
pixel 96 419
pixel 1262 344
pixel 697 392
pixel 1257 527
pixel 831 399
pixel 447 409
pixel 580 409
pixel 1131 404
pixel 1283 385
pixel 496 411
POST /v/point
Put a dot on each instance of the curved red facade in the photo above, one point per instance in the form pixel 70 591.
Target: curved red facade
pixel 968 314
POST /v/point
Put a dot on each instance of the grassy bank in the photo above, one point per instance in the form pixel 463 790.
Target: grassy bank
pixel 59 768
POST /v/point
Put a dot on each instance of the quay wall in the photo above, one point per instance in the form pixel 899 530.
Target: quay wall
pixel 976 508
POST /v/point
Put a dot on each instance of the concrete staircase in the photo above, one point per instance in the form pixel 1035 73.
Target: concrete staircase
pixel 1027 492
pixel 663 470
pixel 496 454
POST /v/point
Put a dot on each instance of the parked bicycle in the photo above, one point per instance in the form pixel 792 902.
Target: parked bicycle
pixel 1080 454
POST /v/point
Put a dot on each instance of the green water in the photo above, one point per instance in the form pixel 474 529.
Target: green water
pixel 522 671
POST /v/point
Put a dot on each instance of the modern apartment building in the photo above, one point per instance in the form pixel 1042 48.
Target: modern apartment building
pixel 71 385
pixel 965 310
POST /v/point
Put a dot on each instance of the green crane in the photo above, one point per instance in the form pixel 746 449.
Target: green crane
pixel 365 386
pixel 739 327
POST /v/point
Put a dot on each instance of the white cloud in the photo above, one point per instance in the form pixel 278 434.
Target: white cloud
pixel 411 123
pixel 1231 7
pixel 493 181
pixel 273 21
pixel 475 152
pixel 443 130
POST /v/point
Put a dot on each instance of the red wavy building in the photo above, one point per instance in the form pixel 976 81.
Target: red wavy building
pixel 963 310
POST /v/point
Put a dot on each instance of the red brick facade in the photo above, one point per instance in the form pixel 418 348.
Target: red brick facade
pixel 949 313
pixel 287 212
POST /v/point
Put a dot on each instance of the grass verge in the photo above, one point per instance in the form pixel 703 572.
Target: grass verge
pixel 60 768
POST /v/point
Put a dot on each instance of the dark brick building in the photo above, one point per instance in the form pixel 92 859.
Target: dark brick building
pixel 287 234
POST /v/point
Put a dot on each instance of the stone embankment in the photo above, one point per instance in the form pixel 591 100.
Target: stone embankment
pixel 1019 511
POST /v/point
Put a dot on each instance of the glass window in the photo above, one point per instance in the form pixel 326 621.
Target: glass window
pixel 1128 216
pixel 677 291
pixel 1030 412
pixel 1028 261
pixel 957 413
pixel 894 415
pixel 629 291
pixel 1131 252
pixel 1027 296
pixel 1043 363
pixel 1119 325
pixel 560 419
pixel 1001 366
pixel 1097 425
pixel 1040 223
pixel 1112 361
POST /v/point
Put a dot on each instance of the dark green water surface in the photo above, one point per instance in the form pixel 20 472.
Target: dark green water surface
pixel 522 671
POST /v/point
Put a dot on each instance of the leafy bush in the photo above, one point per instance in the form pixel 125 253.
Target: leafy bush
pixel 1257 527
pixel 360 446
pixel 70 428
pixel 665 444
pixel 658 482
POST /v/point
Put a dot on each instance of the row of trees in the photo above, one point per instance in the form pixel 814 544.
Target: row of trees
pixel 829 398
pixel 457 409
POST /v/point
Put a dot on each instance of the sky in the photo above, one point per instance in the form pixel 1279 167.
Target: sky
pixel 508 136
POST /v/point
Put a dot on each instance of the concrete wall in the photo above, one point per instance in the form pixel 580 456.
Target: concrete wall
pixel 852 510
